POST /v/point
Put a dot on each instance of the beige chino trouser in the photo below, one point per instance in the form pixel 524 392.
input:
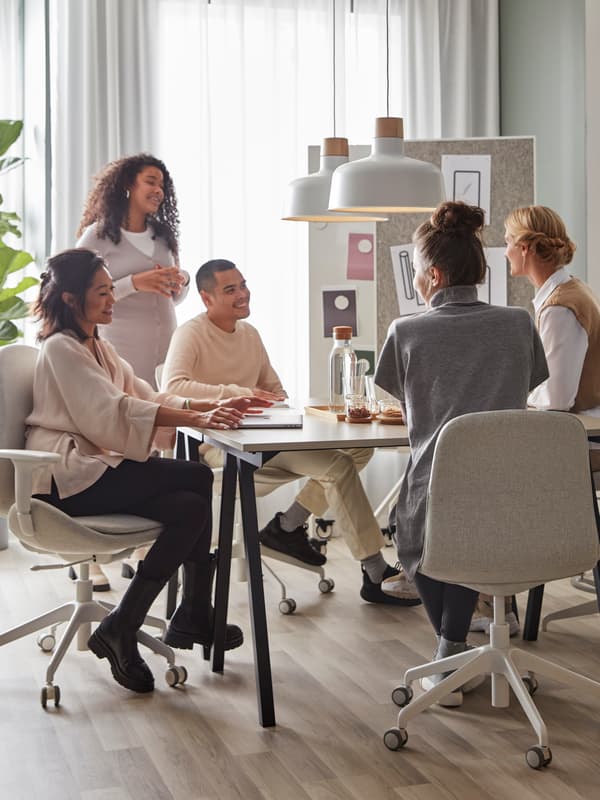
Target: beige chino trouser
pixel 333 483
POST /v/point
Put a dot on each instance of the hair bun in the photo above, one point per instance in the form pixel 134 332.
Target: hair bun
pixel 458 218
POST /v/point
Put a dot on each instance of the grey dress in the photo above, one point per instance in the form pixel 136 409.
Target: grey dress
pixel 458 357
pixel 143 322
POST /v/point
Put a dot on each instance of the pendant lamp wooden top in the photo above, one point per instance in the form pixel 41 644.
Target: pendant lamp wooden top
pixel 335 146
pixel 389 128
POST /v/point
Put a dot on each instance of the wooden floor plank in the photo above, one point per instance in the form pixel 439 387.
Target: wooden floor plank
pixel 335 663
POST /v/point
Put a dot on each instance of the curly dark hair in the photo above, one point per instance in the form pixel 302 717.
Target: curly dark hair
pixel 451 240
pixel 107 202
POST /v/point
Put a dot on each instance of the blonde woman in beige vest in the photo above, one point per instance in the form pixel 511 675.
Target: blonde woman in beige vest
pixel 567 316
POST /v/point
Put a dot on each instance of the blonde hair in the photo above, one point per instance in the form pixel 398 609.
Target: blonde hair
pixel 543 231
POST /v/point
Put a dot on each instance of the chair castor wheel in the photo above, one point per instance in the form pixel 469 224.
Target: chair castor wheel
pixel 176 675
pixel 287 606
pixel 395 738
pixel 402 695
pixel 538 757
pixel 51 693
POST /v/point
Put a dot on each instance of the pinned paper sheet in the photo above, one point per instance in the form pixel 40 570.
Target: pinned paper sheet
pixel 468 178
pixel 361 262
pixel 339 308
pixel 368 353
pixel 493 290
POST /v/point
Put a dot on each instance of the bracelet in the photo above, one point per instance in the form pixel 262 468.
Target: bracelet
pixel 187 403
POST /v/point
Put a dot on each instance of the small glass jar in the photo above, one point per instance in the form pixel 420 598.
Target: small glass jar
pixel 390 410
pixel 357 408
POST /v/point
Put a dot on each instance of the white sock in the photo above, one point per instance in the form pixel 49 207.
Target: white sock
pixel 375 566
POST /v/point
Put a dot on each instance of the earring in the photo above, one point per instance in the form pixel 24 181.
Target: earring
pixel 127 194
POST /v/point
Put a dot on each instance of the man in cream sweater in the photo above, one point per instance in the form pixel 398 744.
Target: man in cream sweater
pixel 216 355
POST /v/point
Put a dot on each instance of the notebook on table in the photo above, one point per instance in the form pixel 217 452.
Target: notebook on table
pixel 273 418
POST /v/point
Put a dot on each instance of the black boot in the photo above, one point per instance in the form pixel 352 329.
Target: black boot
pixel 115 637
pixel 193 621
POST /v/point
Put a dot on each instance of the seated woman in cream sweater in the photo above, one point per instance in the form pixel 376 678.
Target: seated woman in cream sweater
pixel 89 407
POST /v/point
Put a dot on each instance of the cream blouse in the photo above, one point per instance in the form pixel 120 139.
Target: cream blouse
pixel 93 414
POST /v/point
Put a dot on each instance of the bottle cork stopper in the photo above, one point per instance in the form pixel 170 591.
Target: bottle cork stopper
pixel 342 332
pixel 335 146
pixel 389 128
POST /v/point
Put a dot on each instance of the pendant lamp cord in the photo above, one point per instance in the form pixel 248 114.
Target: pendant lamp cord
pixel 387 57
pixel 334 59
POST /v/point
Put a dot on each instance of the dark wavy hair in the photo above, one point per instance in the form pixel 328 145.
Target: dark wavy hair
pixel 107 203
pixel 451 241
pixel 70 271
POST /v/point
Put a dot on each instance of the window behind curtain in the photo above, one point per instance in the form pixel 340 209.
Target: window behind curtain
pixel 244 88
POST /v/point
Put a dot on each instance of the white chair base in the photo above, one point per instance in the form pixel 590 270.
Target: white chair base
pixel 287 605
pixel 79 614
pixel 508 667
pixel 584 584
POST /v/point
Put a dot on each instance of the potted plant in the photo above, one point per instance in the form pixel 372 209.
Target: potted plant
pixel 12 305
pixel 12 260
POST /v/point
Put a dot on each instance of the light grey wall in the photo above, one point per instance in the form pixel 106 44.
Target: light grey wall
pixel 592 126
pixel 542 80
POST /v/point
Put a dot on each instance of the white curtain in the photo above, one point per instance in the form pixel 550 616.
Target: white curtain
pixel 11 97
pixel 230 93
pixel 452 69
pixel 105 55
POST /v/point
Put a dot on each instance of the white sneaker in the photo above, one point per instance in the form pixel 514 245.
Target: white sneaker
pixel 400 586
pixel 481 624
pixel 451 700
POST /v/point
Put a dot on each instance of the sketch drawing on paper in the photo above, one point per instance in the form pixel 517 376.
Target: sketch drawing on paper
pixel 492 290
pixel 466 186
pixel 468 178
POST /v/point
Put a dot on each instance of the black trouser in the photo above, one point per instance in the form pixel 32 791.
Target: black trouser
pixel 176 493
pixel 448 606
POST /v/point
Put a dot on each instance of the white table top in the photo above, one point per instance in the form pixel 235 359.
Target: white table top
pixel 323 434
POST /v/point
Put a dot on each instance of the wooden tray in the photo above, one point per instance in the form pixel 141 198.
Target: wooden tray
pixel 390 420
pixel 323 411
pixel 358 420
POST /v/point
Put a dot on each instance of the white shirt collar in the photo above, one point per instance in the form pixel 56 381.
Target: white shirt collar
pixel 543 293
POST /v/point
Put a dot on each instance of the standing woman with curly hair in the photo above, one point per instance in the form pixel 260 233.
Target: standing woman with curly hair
pixel 459 356
pixel 131 219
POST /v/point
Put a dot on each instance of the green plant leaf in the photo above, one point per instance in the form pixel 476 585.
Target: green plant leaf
pixel 10 130
pixel 6 164
pixel 8 333
pixel 12 260
pixel 22 285
pixel 13 308
pixel 7 224
pixel 21 259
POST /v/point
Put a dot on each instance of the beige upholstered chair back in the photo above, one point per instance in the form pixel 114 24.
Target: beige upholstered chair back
pixel 17 364
pixel 510 502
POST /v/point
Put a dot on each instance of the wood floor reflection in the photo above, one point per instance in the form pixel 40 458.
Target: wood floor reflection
pixel 335 662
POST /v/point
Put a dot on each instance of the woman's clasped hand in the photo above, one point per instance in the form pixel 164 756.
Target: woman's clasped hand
pixel 167 281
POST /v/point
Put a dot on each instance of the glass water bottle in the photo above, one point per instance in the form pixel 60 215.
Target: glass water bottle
pixel 342 354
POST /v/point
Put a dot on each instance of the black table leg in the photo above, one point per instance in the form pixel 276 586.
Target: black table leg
pixel 258 617
pixel 172 594
pixel 226 521
pixel 596 572
pixel 533 613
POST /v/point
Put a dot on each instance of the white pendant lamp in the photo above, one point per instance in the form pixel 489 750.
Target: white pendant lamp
pixel 308 197
pixel 387 181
